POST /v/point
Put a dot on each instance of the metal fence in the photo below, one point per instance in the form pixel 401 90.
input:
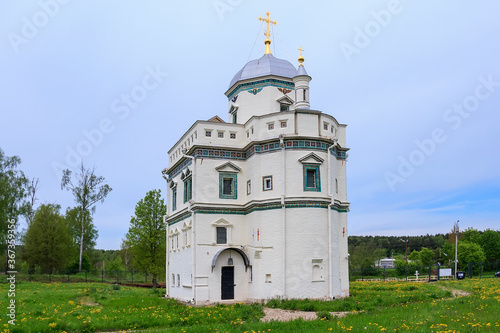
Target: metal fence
pixel 100 276
pixel 433 272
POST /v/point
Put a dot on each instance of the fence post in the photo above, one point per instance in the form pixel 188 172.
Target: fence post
pixel 406 272
pixel 470 270
pixel 438 271
pixel 384 274
pixel 429 273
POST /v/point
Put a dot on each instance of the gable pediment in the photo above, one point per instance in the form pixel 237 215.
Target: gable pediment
pixel 221 223
pixel 228 167
pixel 285 100
pixel 311 158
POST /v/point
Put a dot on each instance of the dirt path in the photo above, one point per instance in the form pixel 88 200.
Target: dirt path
pixel 287 315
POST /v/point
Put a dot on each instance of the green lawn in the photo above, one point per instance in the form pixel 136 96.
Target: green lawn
pixel 375 307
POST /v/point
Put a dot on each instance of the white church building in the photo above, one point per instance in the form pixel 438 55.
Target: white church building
pixel 257 204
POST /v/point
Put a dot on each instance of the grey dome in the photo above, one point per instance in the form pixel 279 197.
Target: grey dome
pixel 267 65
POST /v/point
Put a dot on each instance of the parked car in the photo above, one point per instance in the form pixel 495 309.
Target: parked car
pixel 497 274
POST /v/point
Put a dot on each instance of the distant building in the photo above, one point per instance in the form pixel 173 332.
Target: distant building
pixel 257 205
pixel 385 263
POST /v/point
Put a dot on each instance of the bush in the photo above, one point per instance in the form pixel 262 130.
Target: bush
pixel 324 315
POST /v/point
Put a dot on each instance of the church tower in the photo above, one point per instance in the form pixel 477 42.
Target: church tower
pixel 257 205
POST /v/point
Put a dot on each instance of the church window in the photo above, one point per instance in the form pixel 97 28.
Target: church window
pixel 283 124
pixel 178 280
pixel 188 189
pixel 208 133
pixel 332 128
pixel 251 129
pixel 304 91
pixel 270 126
pixel 284 107
pixel 232 135
pixel 221 235
pixel 311 178
pixel 249 187
pixel 267 183
pixel 228 186
pixel 268 278
pixel 325 126
pixel 235 117
pixel 336 185
pixel 174 198
pixel 220 134
pixel 173 280
pixel 248 134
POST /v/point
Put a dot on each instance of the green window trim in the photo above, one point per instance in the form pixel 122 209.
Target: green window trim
pixel 228 185
pixel 174 199
pixel 312 179
pixel 188 189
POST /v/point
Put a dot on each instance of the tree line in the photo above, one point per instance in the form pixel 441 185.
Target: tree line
pixel 66 241
pixel 473 246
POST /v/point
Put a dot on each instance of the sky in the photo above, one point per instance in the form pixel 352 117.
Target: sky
pixel 116 83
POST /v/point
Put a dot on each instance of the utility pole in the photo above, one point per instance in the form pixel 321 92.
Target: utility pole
pixel 456 246
pixel 406 256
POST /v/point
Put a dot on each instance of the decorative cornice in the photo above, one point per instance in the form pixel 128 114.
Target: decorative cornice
pixel 259 148
pixel 250 86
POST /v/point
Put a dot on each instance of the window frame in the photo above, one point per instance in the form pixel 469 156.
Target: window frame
pixel 217 228
pixel 317 180
pixel 264 187
pixel 234 178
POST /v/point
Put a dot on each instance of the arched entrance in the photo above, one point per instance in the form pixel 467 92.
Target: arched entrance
pixel 227 277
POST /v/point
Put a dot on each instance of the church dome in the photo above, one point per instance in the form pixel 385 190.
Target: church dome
pixel 267 65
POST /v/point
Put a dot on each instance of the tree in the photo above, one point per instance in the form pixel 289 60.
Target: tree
pixel 426 256
pixel 490 242
pixel 13 188
pixel 28 207
pixel 88 190
pixel 73 221
pixel 146 234
pixel 47 239
pixel 471 235
pixel 469 252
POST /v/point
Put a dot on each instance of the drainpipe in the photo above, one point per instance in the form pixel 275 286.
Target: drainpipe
pixel 193 227
pixel 167 257
pixel 331 194
pixel 283 212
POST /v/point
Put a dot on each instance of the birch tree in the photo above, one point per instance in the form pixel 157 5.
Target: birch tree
pixel 88 189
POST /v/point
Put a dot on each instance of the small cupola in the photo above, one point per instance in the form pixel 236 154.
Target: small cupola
pixel 301 81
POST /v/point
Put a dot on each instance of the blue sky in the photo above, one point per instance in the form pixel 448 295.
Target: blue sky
pixel 118 82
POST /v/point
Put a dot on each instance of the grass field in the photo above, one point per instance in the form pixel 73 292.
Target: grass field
pixel 374 306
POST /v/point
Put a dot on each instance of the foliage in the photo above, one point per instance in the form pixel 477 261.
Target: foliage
pixel 47 239
pixel 115 265
pixel 13 189
pixel 469 252
pixel 426 256
pixel 86 265
pixel 73 220
pixel 490 242
pixel 88 190
pixel 146 234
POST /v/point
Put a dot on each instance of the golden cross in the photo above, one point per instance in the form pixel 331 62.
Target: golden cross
pixel 301 57
pixel 268 40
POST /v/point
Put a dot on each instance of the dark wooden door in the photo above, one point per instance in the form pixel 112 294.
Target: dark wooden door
pixel 227 283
